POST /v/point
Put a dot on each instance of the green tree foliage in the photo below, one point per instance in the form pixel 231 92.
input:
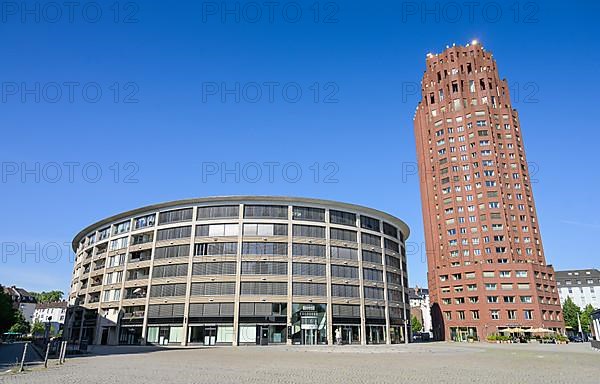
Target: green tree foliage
pixel 20 325
pixel 7 313
pixel 415 324
pixel 48 297
pixel 38 328
pixel 586 316
pixel 570 311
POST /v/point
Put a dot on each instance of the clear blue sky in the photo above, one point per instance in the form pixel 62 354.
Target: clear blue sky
pixel 365 59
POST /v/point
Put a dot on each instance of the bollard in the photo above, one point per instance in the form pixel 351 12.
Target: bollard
pixel 46 357
pixel 23 359
pixel 60 352
pixel 65 352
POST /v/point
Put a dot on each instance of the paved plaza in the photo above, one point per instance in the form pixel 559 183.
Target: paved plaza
pixel 415 363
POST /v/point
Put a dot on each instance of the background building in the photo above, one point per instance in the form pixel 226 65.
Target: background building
pixel 581 285
pixel 241 270
pixel 51 314
pixel 487 269
pixel 23 301
pixel 420 307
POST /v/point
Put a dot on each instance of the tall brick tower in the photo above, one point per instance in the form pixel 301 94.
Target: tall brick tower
pixel 487 269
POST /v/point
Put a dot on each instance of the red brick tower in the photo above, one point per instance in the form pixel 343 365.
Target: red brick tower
pixel 487 269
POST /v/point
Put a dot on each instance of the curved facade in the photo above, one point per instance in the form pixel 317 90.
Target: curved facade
pixel 241 270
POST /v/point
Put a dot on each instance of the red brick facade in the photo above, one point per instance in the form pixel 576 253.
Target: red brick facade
pixel 487 269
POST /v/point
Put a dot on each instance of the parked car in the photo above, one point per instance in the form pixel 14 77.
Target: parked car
pixel 575 339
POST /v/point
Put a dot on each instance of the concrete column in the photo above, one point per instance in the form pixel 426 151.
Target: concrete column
pixel 290 274
pixel 330 338
pixel 144 340
pixel 363 316
pixel 238 279
pixel 188 289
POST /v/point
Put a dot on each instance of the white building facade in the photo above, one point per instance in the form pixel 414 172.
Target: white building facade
pixel 419 300
pixel 582 286
pixel 51 313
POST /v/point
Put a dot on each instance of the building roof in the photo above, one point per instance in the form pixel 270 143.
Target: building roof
pixel 58 304
pixel 229 199
pixel 19 294
pixel 578 278
pixel 414 295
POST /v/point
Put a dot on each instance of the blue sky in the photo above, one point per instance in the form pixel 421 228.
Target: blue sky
pixel 150 90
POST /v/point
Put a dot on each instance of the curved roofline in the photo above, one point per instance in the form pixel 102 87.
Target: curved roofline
pixel 215 199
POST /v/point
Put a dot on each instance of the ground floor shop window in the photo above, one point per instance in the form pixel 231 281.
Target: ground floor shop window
pixel 463 334
pixel 210 334
pixel 130 336
pixel 376 334
pixel 262 334
pixel 164 335
pixel 309 324
pixel 350 334
pixel 397 334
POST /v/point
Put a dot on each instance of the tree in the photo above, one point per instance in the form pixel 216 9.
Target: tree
pixel 38 328
pixel 415 324
pixel 7 312
pixel 48 297
pixel 586 316
pixel 20 325
pixel 570 312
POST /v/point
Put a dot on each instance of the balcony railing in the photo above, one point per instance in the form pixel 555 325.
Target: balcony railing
pixel 134 315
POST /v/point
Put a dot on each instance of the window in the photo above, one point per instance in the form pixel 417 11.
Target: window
pixel 492 299
pixel 308 231
pixel 258 248
pixel 216 230
pixel 309 250
pixel 119 243
pixel 512 314
pixel 144 221
pixel 174 233
pixel 121 227
pixel 170 270
pixel 390 230
pixel 167 290
pixel 173 251
pixel 266 211
pixel 218 212
pixel 214 249
pixel 495 314
pixel 367 222
pixel 372 257
pixel 372 274
pixel 374 293
pixel 528 314
pixel 344 218
pixel 264 268
pixel 213 289
pixel 311 269
pixel 309 214
pixel 175 216
pixel 265 230
pixel 220 268
pixel 475 315
pixel 521 273
pixel 526 299
pixel 490 286
pixel 339 290
pixel 308 289
pixel 367 238
pixel 343 234
pixel 344 253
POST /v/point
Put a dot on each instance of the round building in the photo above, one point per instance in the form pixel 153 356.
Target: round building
pixel 241 270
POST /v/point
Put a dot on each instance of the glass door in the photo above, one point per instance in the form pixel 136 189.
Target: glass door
pixel 210 335
pixel 310 336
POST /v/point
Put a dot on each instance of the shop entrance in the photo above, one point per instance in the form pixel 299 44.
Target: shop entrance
pixel 210 335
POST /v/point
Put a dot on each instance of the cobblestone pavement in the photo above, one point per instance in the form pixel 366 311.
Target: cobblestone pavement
pixel 415 363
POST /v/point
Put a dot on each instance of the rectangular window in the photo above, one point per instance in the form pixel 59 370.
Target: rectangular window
pixel 308 214
pixel 175 216
pixel 343 218
pixel 308 231
pixel 343 234
pixel 218 212
pixel 174 233
pixel 266 211
pixel 144 221
pixel 308 250
pixel 367 222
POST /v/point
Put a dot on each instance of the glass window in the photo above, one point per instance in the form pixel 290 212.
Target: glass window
pixel 144 221
pixel 275 211
pixel 344 218
pixel 308 231
pixel 218 212
pixel 367 222
pixel 343 234
pixel 390 230
pixel 175 216
pixel 309 214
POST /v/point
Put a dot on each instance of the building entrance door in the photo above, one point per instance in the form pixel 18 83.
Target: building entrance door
pixel 210 335
pixel 309 336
